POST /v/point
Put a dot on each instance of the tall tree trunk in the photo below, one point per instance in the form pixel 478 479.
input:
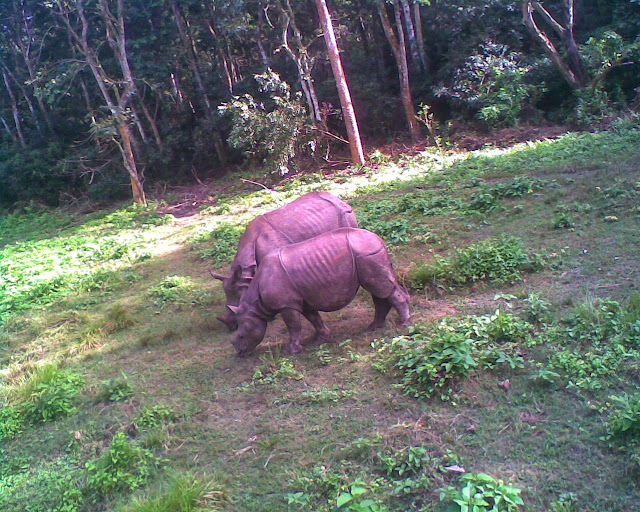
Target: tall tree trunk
pixel 571 71
pixel 151 120
pixel 417 19
pixel 222 58
pixel 27 99
pixel 117 103
pixel 8 130
pixel 189 48
pixel 23 42
pixel 14 107
pixel 300 56
pixel 357 155
pixel 411 34
pixel 400 54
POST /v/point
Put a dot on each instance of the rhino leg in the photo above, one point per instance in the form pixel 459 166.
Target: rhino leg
pixel 318 324
pixel 382 306
pixel 291 318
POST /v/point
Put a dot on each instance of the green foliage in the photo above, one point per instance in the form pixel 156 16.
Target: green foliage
pixel 124 466
pixel 623 424
pixel 481 493
pixel 54 486
pixel 595 341
pixel 46 394
pixel 273 133
pixel 275 369
pixel 430 359
pixel 218 245
pixel 492 84
pixel 496 260
pixel 115 390
pixel 184 492
pixel 152 417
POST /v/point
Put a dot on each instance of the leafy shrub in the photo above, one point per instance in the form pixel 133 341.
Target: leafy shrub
pixel 48 393
pixel 274 132
pixel 481 493
pixel 151 417
pixel 492 84
pixel 430 359
pixel 12 421
pixel 498 260
pixel 124 466
pixel 46 487
pixel 623 424
pixel 218 245
pixel 595 341
pixel 115 390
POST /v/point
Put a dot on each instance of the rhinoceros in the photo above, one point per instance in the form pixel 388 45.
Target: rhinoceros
pixel 304 218
pixel 323 273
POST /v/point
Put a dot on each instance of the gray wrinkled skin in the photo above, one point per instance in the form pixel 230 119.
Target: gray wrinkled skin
pixel 320 274
pixel 304 218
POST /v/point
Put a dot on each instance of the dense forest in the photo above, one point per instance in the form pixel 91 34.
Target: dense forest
pixel 104 98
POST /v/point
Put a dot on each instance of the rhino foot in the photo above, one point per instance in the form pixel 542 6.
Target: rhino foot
pixel 292 349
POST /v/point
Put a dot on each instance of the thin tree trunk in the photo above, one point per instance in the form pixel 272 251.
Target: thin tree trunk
pixel 572 71
pixel 14 108
pixel 8 130
pixel 417 19
pixel 355 144
pixel 400 54
pixel 411 34
pixel 25 95
pixel 304 63
pixel 187 44
pixel 260 25
pixel 152 122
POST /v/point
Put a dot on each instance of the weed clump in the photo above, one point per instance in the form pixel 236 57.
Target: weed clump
pixel 47 394
pixel 594 342
pixel 499 260
pixel 218 245
pixel 431 358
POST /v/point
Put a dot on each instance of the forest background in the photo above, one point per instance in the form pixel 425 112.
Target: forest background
pixel 99 97
pixel 174 91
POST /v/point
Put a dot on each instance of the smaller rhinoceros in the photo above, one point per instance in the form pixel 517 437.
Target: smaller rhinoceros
pixel 320 274
pixel 308 216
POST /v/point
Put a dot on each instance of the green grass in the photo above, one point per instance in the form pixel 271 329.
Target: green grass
pixel 120 391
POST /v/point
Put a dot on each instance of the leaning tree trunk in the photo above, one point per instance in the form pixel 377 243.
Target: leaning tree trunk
pixel 571 70
pixel 400 54
pixel 357 155
pixel 14 108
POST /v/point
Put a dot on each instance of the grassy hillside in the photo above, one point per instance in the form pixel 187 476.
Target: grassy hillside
pixel 121 392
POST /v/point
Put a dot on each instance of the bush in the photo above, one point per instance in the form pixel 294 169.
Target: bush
pixel 123 467
pixel 275 132
pixel 481 493
pixel 497 260
pixel 430 359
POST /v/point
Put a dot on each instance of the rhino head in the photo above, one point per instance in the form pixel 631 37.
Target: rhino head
pixel 251 328
pixel 234 287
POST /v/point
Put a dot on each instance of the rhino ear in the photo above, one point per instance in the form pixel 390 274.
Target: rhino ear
pixel 219 277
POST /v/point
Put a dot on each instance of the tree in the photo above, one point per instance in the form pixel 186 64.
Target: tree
pixel 116 93
pixel 572 68
pixel 400 53
pixel 357 155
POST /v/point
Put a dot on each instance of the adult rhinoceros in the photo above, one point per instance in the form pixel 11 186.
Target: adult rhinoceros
pixel 320 274
pixel 308 216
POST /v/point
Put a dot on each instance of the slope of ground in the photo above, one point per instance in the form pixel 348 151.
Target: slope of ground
pixel 523 268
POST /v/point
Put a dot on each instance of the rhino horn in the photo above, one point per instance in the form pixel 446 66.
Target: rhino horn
pixel 235 309
pixel 220 277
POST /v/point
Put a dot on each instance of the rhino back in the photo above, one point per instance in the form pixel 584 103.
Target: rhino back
pixel 322 270
pixel 310 215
